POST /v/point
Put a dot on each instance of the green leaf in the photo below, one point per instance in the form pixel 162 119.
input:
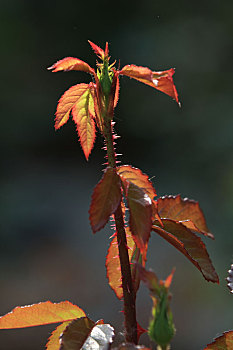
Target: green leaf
pixel 224 342
pixel 105 199
pixel 189 244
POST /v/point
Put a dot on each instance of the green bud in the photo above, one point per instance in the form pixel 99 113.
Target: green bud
pixel 162 329
pixel 105 78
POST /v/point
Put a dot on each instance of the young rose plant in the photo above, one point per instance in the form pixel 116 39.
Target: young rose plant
pixel 122 187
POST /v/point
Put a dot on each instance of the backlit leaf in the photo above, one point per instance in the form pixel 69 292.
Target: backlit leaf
pixel 40 314
pixel 140 212
pixel 71 63
pixel 188 244
pixel 161 81
pixel 54 339
pixel 78 100
pixel 113 264
pixel 136 177
pixel 105 199
pixel 224 342
pixel 83 114
pixel 98 51
pixel 183 210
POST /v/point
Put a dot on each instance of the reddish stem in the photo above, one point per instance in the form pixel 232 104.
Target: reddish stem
pixel 127 284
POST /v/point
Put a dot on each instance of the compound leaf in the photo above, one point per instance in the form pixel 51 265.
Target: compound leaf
pixel 105 199
pixel 40 314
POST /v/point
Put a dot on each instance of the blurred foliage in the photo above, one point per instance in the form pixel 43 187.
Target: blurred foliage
pixel 45 180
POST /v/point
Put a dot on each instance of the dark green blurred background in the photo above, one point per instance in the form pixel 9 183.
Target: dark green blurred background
pixel 47 249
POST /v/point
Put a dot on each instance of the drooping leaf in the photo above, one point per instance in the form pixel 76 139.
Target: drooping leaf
pixel 83 115
pixel 230 279
pixel 186 241
pixel 54 340
pixel 71 63
pixel 105 199
pixel 136 177
pixel 98 51
pixel 140 213
pixel 85 334
pixel 224 342
pixel 183 210
pixel 161 81
pixel 116 97
pixel 40 314
pixel 113 264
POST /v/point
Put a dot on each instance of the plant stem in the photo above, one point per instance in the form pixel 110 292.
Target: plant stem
pixel 127 284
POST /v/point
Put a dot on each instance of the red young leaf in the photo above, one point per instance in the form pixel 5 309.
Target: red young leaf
pixel 136 177
pixel 79 100
pixel 105 199
pixel 113 264
pixel 54 340
pixel 140 212
pixel 161 81
pixel 183 210
pixel 98 51
pixel 83 113
pixel 224 342
pixel 116 97
pixel 71 63
pixel 188 244
pixel 40 314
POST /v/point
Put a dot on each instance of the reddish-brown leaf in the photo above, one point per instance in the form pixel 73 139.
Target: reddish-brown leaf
pixel 188 244
pixel 54 340
pixel 40 314
pixel 105 199
pixel 76 333
pixel 183 210
pixel 98 51
pixel 116 97
pixel 113 264
pixel 140 213
pixel 71 63
pixel 224 342
pixel 136 177
pixel 161 81
pixel 83 114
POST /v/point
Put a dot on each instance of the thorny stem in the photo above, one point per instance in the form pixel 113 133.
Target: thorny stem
pixel 127 284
